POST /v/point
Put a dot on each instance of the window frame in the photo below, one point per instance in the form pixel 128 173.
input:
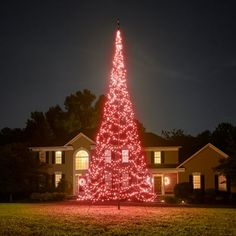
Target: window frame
pixel 157 157
pixel 222 183
pixel 125 155
pixel 125 180
pixel 107 156
pixel 56 179
pixel 197 180
pixel 58 159
pixel 81 162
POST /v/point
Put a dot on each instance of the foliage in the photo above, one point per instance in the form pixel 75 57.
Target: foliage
pixel 183 190
pixel 62 186
pixel 37 130
pixel 45 197
pixel 170 199
pixel 19 170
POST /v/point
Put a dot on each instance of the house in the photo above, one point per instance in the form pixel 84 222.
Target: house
pixel 71 162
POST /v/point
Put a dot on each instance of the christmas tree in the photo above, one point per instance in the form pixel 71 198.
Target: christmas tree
pixel 117 169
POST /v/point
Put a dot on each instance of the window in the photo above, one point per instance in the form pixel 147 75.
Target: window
pixel 125 156
pixel 197 181
pixel 58 157
pixel 222 186
pixel 81 160
pixel 108 179
pixel 42 156
pixel 107 156
pixel 58 176
pixel 125 180
pixel 157 157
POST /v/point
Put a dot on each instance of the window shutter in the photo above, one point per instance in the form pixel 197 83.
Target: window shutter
pixel 47 157
pixel 202 182
pixel 216 182
pixel 191 180
pixel 53 157
pixel 36 155
pixel 53 181
pixel 63 157
pixel 63 176
pixel 228 184
pixel 152 157
pixel 162 157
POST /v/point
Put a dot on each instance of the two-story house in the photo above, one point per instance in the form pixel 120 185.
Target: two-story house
pixel 71 162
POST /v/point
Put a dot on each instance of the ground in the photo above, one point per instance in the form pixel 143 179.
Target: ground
pixel 74 219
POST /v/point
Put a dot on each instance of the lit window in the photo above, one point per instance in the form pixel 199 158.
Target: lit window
pixel 125 156
pixel 125 180
pixel 222 186
pixel 107 156
pixel 58 177
pixel 58 156
pixel 157 157
pixel 196 181
pixel 81 160
pixel 42 156
pixel 108 179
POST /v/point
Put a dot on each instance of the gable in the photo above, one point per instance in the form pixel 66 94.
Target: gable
pixel 80 140
pixel 209 155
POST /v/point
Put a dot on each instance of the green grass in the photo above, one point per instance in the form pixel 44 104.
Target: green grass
pixel 69 219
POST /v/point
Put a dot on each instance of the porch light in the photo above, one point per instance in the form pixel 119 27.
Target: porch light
pixel 166 180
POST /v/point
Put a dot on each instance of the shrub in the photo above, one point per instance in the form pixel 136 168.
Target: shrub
pixel 170 199
pixel 197 196
pixel 183 190
pixel 44 197
pixel 210 195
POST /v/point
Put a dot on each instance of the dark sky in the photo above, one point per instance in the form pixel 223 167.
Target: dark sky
pixel 181 58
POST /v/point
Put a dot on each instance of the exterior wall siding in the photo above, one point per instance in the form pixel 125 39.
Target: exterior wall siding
pixel 203 163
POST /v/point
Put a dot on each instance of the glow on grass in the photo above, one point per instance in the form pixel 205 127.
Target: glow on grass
pixel 118 169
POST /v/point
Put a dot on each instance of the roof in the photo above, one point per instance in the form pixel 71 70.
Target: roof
pixel 209 145
pixel 52 148
pixel 77 137
pixel 149 139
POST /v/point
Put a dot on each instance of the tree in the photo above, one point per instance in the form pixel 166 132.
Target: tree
pixel 37 131
pixel 80 111
pixel 19 170
pixel 118 169
pixel 188 142
pixel 8 135
pixel 224 137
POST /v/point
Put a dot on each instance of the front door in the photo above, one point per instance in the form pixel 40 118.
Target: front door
pixel 158 184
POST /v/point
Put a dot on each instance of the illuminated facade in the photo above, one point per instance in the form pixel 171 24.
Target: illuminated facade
pixel 162 162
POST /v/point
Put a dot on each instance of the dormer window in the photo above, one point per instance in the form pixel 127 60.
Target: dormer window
pixel 107 156
pixel 125 156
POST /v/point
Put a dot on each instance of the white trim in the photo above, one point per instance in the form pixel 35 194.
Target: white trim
pixel 78 136
pixel 171 148
pixel 55 148
pixel 166 170
pixel 206 146
pixel 78 172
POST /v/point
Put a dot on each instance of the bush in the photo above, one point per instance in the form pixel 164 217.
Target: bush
pixel 183 191
pixel 210 195
pixel 44 197
pixel 197 196
pixel 170 199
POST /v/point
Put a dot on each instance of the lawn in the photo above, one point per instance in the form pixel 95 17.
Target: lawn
pixel 74 219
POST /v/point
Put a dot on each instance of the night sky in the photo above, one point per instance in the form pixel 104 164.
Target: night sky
pixel 181 58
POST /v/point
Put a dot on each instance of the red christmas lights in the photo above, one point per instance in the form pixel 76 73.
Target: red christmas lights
pixel 117 169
